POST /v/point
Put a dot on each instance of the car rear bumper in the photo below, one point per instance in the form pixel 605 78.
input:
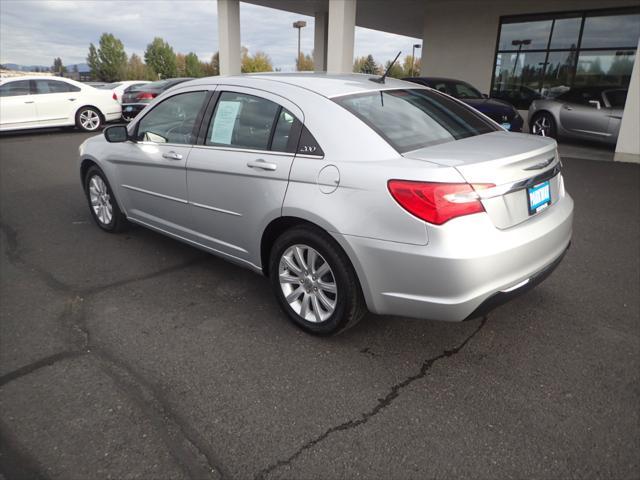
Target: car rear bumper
pixel 466 263
pixel 130 110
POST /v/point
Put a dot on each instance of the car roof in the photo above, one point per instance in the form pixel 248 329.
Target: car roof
pixel 40 77
pixel 436 79
pixel 325 84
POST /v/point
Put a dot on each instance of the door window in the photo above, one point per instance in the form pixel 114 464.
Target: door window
pixel 173 120
pixel 282 133
pixel 54 86
pixel 13 89
pixel 244 121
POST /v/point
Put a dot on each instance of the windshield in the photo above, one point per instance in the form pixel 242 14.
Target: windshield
pixel 410 119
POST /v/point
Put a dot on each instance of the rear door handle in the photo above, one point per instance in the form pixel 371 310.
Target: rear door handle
pixel 262 165
pixel 172 156
pixel 71 99
pixel 566 107
pixel 30 101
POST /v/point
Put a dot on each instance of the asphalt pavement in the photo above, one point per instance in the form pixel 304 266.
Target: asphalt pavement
pixel 135 356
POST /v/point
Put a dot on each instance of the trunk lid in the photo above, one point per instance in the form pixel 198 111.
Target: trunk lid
pixel 511 161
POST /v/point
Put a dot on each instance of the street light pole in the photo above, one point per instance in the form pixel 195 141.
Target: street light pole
pixel 300 24
pixel 519 44
pixel 413 56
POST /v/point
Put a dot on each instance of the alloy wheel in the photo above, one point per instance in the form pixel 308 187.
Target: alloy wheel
pixel 100 200
pixel 542 126
pixel 89 119
pixel 308 283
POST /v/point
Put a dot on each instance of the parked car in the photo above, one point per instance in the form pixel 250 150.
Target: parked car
pixel 135 98
pixel 41 101
pixel 520 96
pixel 497 110
pixel 589 113
pixel 118 88
pixel 348 194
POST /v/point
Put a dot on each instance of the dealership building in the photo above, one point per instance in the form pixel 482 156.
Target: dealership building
pixel 512 48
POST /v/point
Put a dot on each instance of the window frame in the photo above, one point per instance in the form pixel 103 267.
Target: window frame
pixel 558 15
pixel 29 83
pixel 196 124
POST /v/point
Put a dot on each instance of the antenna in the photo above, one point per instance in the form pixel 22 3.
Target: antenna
pixel 381 79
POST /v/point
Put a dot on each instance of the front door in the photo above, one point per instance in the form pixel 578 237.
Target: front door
pixel 238 178
pixel 56 101
pixel 152 170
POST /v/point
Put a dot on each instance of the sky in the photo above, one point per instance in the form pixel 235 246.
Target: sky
pixel 34 32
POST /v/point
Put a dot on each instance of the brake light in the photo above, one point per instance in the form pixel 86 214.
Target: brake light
pixel 437 203
pixel 146 96
pixel 114 96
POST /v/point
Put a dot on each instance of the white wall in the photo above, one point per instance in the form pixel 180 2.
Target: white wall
pixel 628 147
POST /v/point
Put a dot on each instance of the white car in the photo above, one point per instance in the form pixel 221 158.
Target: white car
pixel 117 89
pixel 41 101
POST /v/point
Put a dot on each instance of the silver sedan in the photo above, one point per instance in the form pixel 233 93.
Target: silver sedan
pixel 349 194
pixel 587 113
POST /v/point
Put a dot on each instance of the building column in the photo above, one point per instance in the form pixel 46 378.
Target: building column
pixel 628 146
pixel 320 37
pixel 229 36
pixel 342 24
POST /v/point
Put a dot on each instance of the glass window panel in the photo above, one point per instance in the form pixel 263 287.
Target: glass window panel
pixel 14 89
pixel 558 75
pixel 605 68
pixel 517 77
pixel 282 131
pixel 565 33
pixel 611 31
pixel 172 121
pixel 536 33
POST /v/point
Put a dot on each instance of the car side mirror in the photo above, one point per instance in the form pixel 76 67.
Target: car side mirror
pixel 116 133
pixel 595 103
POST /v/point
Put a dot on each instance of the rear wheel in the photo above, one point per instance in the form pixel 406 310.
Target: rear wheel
pixel 544 125
pixel 314 281
pixel 102 203
pixel 88 119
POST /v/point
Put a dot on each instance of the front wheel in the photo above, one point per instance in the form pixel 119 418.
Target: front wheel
pixel 543 125
pixel 88 119
pixel 102 203
pixel 314 281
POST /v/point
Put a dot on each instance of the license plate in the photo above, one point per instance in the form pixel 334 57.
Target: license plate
pixel 506 126
pixel 539 197
pixel 128 109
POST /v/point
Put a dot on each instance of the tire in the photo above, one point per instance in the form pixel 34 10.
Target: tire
pixel 335 273
pixel 102 202
pixel 544 125
pixel 89 119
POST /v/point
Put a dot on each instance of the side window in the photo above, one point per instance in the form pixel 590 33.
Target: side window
pixel 284 130
pixel 13 89
pixel 173 120
pixel 308 144
pixel 54 86
pixel 242 121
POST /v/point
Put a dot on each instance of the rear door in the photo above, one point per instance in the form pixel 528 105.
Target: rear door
pixel 56 101
pixel 582 118
pixel 152 170
pixel 17 106
pixel 238 175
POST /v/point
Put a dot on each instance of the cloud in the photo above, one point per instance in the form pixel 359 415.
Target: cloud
pixel 34 32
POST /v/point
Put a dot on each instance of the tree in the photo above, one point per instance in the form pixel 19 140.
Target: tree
pixel 136 69
pixel 365 65
pixel 396 71
pixel 58 68
pixel 108 63
pixel 180 65
pixel 304 63
pixel 211 68
pixel 192 65
pixel 161 59
pixel 260 62
pixel 411 68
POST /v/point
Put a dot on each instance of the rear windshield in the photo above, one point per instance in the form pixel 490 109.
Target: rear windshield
pixel 410 119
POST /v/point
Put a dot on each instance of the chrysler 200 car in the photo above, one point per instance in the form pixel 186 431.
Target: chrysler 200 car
pixel 349 194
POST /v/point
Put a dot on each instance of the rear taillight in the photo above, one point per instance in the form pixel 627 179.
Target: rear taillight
pixel 114 96
pixel 146 96
pixel 437 203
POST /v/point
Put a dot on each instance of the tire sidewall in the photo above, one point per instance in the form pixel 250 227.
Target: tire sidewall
pixel 79 124
pixel 93 172
pixel 338 319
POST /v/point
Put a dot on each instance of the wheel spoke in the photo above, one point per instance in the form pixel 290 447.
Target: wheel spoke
pixel 299 254
pixel 316 308
pixel 287 278
pixel 324 268
pixel 291 265
pixel 328 304
pixel 304 307
pixel 312 255
pixel 327 287
pixel 295 294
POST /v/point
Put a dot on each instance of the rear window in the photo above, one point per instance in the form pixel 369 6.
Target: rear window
pixel 410 119
pixel 617 98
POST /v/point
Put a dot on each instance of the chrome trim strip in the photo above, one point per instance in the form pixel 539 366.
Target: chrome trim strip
pixel 242 150
pixel 154 194
pixel 520 185
pixel 221 210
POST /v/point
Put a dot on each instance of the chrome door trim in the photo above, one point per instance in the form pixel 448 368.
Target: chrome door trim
pixel 221 210
pixel 245 150
pixel 154 194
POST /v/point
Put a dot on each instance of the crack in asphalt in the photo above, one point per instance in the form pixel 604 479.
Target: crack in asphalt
pixel 380 406
pixel 183 442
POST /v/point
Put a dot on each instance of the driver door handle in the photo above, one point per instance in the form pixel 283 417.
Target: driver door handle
pixel 172 156
pixel 71 99
pixel 262 165
pixel 30 101
pixel 567 107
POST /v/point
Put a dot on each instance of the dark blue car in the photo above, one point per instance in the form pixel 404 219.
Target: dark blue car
pixel 498 110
